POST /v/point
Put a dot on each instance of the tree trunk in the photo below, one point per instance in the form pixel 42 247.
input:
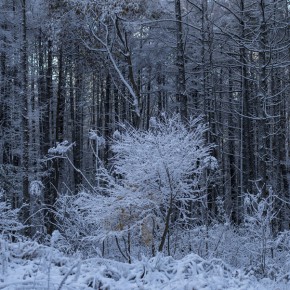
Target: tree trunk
pixel 181 94
pixel 25 125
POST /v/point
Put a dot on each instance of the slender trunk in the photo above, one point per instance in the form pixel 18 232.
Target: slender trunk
pixel 25 124
pixel 263 95
pixel 148 104
pixel 107 119
pixel 47 133
pixel 180 62
pixel 166 226
pixel 77 128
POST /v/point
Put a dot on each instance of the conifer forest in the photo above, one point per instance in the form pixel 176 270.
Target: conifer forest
pixel 144 144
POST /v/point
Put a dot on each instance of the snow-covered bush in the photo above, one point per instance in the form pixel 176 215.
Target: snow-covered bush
pixel 49 269
pixel 79 219
pixel 162 174
pixel 157 183
pixel 36 189
pixel 252 246
pixel 8 217
pixel 9 225
pixel 259 217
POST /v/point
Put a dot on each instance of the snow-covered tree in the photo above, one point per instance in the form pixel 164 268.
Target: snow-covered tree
pixel 159 174
pixel 162 170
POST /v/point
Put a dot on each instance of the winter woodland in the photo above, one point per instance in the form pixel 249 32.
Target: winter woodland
pixel 144 144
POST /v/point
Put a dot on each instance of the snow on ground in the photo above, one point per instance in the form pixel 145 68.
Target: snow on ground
pixel 35 267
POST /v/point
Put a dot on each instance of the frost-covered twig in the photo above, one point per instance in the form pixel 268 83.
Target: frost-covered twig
pixel 67 274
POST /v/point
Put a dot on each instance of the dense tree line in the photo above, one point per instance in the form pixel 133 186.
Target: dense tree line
pixel 76 70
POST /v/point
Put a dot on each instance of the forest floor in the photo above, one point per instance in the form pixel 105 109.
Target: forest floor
pixel 35 267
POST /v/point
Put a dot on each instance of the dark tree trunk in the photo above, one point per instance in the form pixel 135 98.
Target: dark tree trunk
pixel 25 125
pixel 181 94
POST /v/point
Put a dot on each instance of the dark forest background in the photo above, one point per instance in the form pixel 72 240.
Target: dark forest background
pixel 76 70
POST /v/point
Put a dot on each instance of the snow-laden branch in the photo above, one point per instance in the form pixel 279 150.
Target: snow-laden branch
pixel 105 44
pixel 61 148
